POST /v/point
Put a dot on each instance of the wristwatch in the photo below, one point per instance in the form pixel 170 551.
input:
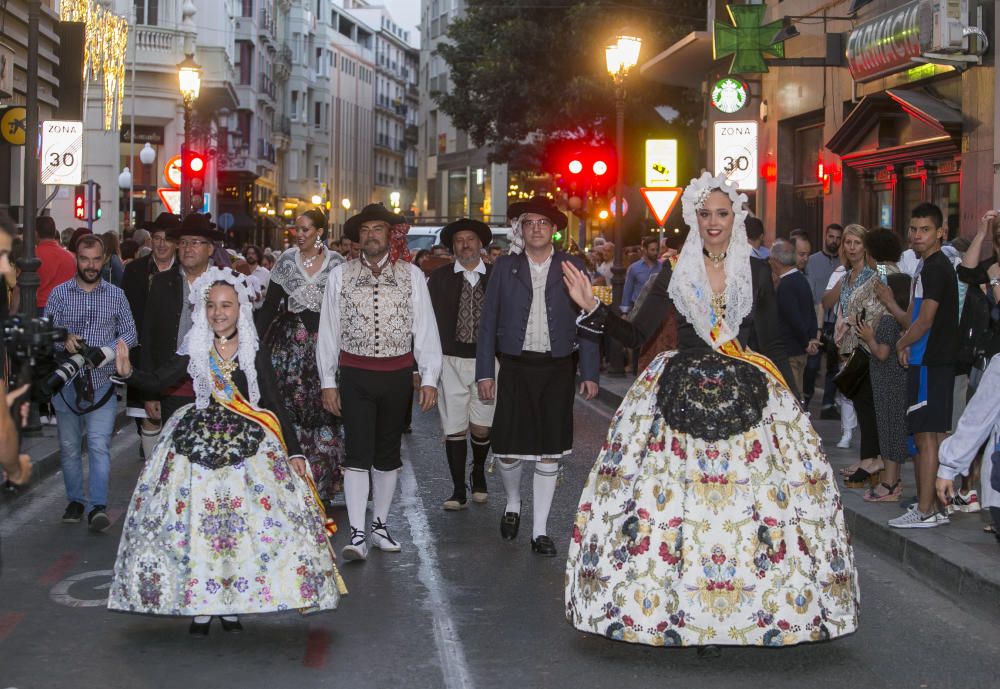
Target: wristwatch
pixel 994 282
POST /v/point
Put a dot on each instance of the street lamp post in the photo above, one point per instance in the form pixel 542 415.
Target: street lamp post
pixel 346 203
pixel 620 56
pixel 189 80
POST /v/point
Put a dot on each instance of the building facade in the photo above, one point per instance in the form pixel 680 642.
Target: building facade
pixel 454 178
pixel 864 118
pixel 395 61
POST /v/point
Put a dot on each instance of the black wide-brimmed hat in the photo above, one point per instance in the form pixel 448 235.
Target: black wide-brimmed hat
pixel 481 229
pixel 540 205
pixel 197 225
pixel 373 211
pixel 164 221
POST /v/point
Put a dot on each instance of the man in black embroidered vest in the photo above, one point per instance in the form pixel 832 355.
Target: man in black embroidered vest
pixel 375 324
pixel 530 323
pixel 458 292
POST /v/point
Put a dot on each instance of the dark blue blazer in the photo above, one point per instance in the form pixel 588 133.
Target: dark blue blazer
pixel 505 316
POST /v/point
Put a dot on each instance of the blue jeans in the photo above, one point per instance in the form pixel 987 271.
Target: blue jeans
pixel 98 426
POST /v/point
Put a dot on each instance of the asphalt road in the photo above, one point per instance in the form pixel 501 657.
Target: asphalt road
pixel 457 608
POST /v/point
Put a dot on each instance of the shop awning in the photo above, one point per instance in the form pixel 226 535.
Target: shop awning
pixel 685 63
pixel 898 125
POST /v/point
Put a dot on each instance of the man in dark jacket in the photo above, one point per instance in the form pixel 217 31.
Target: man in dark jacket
pixel 458 292
pixel 136 281
pixel 168 311
pixel 529 323
pixel 796 315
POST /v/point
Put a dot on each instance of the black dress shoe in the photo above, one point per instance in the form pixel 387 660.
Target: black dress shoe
pixel 200 628
pixel 231 625
pixel 543 545
pixel 509 523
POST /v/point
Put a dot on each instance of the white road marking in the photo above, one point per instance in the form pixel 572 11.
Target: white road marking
pixel 446 638
pixel 60 592
pixel 596 408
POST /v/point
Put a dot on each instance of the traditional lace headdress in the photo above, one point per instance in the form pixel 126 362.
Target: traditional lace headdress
pixel 689 287
pixel 200 340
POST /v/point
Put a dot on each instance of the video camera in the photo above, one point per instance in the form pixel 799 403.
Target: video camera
pixel 31 345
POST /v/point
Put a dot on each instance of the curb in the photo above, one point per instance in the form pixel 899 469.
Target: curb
pixel 975 583
pixel 42 467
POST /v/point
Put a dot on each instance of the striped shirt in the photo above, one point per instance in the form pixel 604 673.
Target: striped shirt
pixel 100 316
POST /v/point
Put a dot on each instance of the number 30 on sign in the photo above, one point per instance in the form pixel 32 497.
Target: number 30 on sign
pixel 62 152
pixel 736 153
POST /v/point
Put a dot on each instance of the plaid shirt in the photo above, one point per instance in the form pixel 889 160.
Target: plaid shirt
pixel 100 316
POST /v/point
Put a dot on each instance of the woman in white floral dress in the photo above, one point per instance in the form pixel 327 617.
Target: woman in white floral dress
pixel 223 520
pixel 711 516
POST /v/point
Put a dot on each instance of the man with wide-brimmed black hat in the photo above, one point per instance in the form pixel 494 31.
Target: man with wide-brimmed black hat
pixel 136 282
pixel 376 324
pixel 529 323
pixel 167 317
pixel 458 292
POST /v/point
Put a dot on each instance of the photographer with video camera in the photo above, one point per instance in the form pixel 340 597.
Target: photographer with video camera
pixel 17 466
pixel 95 315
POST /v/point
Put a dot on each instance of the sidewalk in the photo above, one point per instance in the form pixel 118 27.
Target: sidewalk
pixel 958 558
pixel 44 451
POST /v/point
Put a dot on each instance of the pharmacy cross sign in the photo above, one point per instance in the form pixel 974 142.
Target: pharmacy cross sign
pixel 747 39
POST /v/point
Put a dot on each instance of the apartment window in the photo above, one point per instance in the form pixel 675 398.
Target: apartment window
pixel 244 123
pixel 247 8
pixel 245 62
pixel 317 114
pixel 147 11
pixel 295 106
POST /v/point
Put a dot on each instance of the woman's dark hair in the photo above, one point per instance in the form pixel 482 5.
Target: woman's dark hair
pixel 317 218
pixel 129 249
pixel 884 246
pixel 899 283
pixel 423 253
pixel 7 225
pixel 111 244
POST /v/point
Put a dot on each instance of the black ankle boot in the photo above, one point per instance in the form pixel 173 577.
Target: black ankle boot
pixel 456 451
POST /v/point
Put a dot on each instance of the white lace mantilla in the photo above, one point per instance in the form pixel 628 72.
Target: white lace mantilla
pixel 305 292
pixel 689 288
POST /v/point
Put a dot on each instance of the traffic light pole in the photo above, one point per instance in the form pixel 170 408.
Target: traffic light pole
pixel 185 155
pixel 616 353
pixel 28 280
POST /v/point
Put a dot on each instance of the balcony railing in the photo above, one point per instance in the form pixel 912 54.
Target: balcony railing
pixel 155 39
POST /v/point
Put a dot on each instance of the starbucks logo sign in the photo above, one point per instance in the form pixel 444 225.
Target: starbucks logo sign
pixel 730 95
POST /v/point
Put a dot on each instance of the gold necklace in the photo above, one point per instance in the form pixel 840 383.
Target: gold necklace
pixel 716 259
pixel 227 366
pixel 719 304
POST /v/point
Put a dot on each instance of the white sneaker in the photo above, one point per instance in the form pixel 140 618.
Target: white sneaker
pixel 915 519
pixel 965 502
pixel 382 539
pixel 845 440
pixel 357 550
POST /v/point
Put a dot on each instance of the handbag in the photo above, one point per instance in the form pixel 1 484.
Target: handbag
pixel 852 374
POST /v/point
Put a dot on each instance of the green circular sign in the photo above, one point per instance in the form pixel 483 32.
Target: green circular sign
pixel 730 95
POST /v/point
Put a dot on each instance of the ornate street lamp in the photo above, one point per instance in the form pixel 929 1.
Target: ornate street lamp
pixel 189 80
pixel 621 56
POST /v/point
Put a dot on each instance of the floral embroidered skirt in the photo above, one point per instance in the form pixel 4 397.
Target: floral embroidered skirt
pixel 219 524
pixel 683 541
pixel 321 434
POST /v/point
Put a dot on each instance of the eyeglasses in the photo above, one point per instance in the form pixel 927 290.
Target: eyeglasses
pixel 184 243
pixel 160 239
pixel 542 224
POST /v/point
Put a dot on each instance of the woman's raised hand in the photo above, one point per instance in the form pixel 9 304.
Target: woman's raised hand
pixel 122 365
pixel 579 287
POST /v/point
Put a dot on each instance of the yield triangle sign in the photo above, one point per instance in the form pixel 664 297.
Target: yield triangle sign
pixel 171 199
pixel 661 201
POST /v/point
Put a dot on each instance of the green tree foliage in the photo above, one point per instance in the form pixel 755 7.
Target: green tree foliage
pixel 536 67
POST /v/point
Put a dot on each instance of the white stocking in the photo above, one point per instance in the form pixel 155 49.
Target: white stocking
pixel 543 489
pixel 356 496
pixel 510 472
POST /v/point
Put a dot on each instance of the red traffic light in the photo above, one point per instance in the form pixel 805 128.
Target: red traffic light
pixel 600 167
pixel 196 163
pixel 80 202
pixel 575 166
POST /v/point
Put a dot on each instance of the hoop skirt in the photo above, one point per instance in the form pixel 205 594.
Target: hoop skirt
pixel 220 524
pixel 711 515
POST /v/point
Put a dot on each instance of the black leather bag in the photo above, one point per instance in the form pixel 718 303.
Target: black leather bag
pixel 852 373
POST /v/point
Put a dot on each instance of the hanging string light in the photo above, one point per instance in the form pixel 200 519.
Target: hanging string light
pixel 105 41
